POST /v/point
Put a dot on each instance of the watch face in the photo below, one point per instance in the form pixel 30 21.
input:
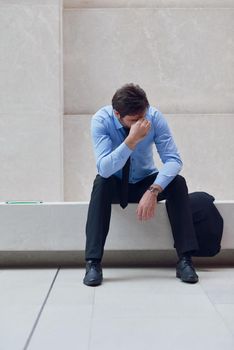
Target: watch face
pixel 153 189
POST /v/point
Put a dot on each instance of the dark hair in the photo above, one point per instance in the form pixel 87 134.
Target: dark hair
pixel 130 99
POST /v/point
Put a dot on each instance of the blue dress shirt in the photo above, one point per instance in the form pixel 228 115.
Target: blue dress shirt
pixel 111 152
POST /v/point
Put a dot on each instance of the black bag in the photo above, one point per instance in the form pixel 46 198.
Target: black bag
pixel 208 223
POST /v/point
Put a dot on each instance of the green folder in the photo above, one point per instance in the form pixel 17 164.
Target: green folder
pixel 24 202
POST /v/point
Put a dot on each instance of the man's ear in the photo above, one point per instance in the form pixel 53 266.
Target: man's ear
pixel 117 114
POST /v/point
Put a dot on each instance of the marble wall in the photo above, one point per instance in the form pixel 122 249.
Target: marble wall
pixel 181 53
pixel 182 57
pixel 31 100
pixel 62 60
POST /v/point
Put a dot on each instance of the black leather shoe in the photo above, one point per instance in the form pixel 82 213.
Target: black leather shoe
pixel 93 276
pixel 186 271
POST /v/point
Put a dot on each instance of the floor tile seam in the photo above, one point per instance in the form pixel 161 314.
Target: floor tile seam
pixel 156 318
pixel 91 321
pixel 160 320
pixel 224 320
pixel 218 314
pixel 40 312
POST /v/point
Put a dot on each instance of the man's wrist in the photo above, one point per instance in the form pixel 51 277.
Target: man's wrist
pixel 155 189
pixel 130 143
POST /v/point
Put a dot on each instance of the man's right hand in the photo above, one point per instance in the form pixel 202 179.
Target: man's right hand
pixel 137 133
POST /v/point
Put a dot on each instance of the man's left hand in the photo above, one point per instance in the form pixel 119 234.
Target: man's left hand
pixel 147 206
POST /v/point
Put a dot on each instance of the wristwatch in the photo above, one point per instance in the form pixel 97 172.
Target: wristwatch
pixel 154 190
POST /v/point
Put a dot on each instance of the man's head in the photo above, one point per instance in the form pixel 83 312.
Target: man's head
pixel 130 104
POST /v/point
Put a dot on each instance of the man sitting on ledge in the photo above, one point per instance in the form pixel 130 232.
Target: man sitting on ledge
pixel 123 135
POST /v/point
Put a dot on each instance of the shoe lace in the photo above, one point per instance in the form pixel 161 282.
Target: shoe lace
pixel 93 265
pixel 188 262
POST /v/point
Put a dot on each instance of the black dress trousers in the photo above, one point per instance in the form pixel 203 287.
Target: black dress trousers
pixel 106 191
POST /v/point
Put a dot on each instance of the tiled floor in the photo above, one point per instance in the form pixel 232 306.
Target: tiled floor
pixel 141 308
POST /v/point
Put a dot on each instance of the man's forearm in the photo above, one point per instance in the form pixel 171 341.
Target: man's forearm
pixel 114 161
pixel 167 173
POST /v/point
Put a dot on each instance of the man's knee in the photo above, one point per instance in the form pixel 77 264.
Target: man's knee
pixel 179 182
pixel 104 181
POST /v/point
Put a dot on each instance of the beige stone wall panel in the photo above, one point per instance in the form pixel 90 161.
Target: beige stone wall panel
pixel 182 57
pixel 31 100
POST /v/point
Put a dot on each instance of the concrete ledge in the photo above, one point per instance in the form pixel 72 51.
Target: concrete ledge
pixel 130 258
pixel 54 233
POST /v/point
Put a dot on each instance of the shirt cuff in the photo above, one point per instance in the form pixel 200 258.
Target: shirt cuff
pixel 167 174
pixel 161 181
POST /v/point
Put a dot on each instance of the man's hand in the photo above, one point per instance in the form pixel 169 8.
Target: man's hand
pixel 137 132
pixel 147 206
